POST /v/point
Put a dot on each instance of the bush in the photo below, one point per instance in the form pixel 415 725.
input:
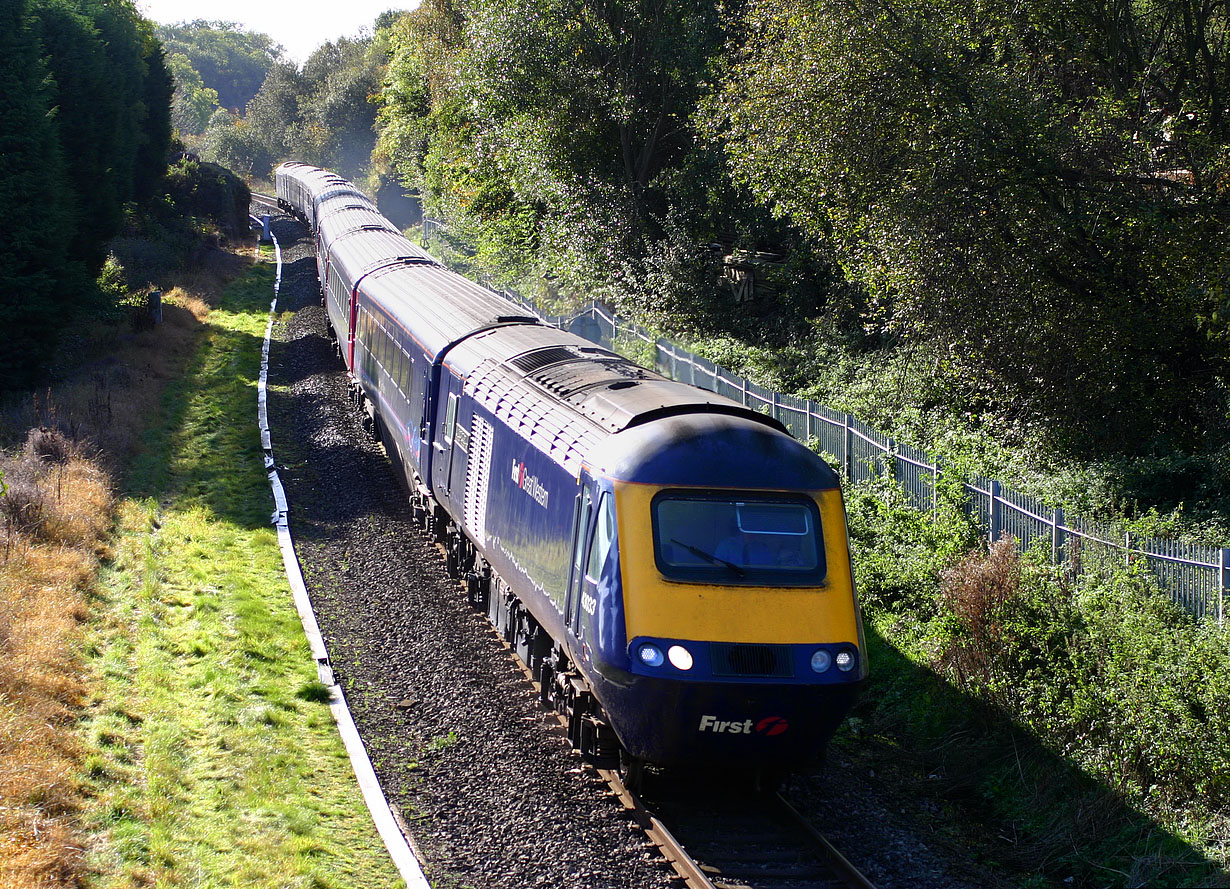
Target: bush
pixel 49 445
pixel 1106 671
pixel 208 191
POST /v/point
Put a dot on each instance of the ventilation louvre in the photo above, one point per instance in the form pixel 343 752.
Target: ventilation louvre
pixel 733 659
pixel 532 361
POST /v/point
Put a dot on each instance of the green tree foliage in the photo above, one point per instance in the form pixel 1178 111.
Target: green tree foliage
pixel 86 129
pixel 563 128
pixel 194 102
pixel 338 116
pixel 322 114
pixel 157 94
pixel 112 92
pixel 1034 190
pixel 273 113
pixel 230 60
pixel 33 185
pixel 230 141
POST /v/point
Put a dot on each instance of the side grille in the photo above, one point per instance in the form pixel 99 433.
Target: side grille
pixel 731 659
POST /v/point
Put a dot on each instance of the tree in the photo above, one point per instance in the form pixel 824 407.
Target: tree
pixel 231 60
pixel 34 275
pixel 1008 188
pixel 194 102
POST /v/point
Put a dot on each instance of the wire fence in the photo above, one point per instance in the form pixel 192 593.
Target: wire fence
pixel 1196 577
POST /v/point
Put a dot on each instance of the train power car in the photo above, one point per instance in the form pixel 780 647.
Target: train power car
pixel 672 565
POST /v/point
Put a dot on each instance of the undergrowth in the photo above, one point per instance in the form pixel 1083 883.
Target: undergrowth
pixel 1074 724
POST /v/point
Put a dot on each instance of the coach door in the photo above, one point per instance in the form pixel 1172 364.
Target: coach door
pixel 446 436
pixel 576 575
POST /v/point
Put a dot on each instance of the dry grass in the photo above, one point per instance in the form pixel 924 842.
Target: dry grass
pixel 44 579
pixel 54 525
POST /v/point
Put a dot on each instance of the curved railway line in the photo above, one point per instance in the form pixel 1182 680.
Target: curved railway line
pixel 711 829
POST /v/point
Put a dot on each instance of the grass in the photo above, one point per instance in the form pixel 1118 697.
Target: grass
pixel 161 723
pixel 44 575
pixel 213 758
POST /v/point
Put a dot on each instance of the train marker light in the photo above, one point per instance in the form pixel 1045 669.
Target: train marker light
pixel 845 661
pixel 650 655
pixel 680 657
pixel 821 661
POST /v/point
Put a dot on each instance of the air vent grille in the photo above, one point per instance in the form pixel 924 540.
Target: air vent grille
pixel 532 361
pixel 731 659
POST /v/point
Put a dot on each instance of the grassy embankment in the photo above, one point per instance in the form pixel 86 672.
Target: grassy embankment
pixel 1070 729
pixel 174 732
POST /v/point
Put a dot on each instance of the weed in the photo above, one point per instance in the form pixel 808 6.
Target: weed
pixel 315 692
pixel 444 742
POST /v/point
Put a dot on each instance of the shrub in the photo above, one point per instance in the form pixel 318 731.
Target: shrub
pixel 49 445
pixel 210 192
pixel 24 507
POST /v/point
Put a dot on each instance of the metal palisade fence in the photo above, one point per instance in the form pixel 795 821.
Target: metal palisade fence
pixel 1195 577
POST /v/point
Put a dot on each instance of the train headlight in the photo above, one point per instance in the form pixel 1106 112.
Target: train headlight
pixel 680 657
pixel 650 655
pixel 845 661
pixel 821 661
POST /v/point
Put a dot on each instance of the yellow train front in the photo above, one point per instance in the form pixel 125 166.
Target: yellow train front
pixel 721 625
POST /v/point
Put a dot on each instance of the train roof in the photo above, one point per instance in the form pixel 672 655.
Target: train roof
pixel 345 218
pixel 567 395
pixel 438 307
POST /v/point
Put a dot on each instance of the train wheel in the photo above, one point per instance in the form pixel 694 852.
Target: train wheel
pixel 631 771
pixel 767 781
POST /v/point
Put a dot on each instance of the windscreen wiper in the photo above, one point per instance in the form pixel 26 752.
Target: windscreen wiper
pixel 710 557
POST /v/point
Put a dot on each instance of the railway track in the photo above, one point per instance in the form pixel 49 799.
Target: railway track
pixel 721 837
pixel 726 836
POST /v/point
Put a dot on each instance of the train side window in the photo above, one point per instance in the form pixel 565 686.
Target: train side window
pixel 604 536
pixel 450 418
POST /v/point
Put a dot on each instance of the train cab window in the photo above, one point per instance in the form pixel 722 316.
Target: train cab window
pixel 604 536
pixel 725 539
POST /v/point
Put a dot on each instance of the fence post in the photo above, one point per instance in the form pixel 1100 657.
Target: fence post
pixel 773 407
pixel 847 456
pixel 743 389
pixel 996 518
pixel 1225 586
pixel 891 454
pixel 935 487
pixel 1057 530
pixel 807 423
pixel 1127 549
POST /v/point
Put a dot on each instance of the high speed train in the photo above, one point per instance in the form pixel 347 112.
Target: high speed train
pixel 672 566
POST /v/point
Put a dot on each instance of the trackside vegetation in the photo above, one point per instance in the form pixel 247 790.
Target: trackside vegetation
pixel 1073 728
pixel 160 718
pixel 212 760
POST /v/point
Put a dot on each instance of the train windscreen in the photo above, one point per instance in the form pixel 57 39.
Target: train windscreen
pixel 736 539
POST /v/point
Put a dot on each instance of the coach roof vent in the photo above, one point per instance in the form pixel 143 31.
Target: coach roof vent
pixel 532 361
pixel 516 319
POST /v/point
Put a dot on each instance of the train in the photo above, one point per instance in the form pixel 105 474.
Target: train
pixel 672 566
